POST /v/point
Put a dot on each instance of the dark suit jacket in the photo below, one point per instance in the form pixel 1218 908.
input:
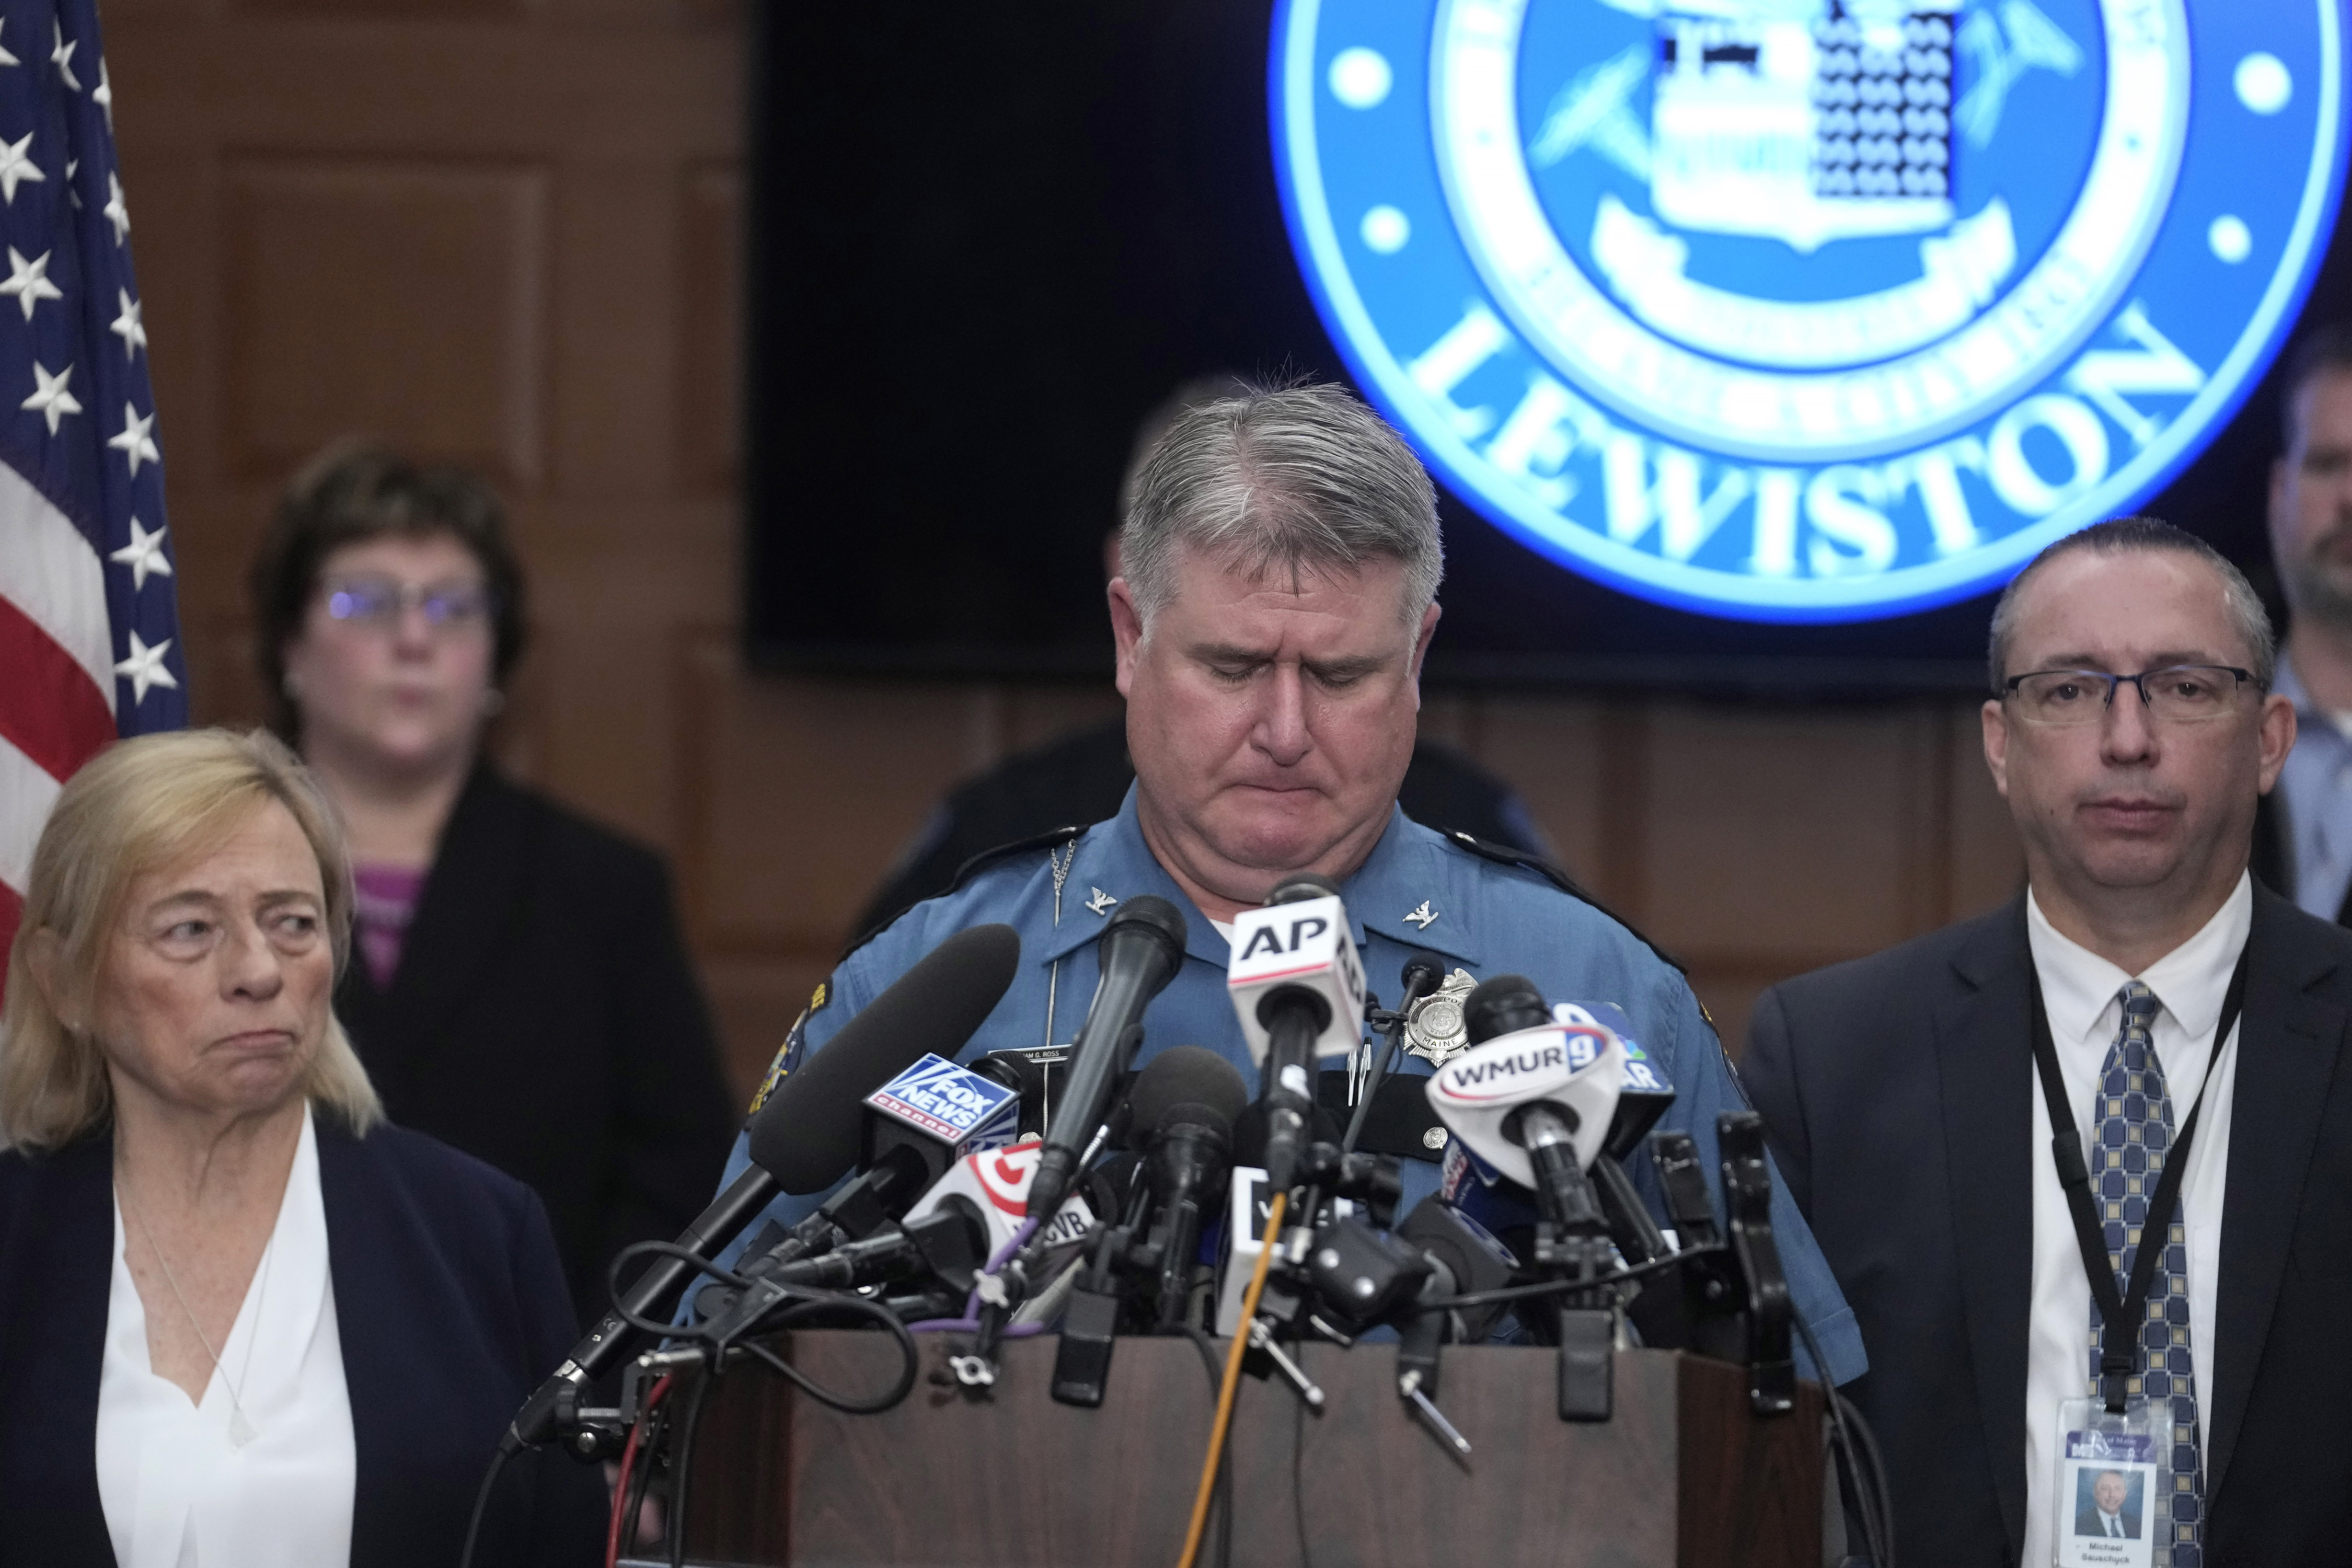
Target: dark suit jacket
pixel 544 1018
pixel 1899 1090
pixel 2086 1522
pixel 451 1307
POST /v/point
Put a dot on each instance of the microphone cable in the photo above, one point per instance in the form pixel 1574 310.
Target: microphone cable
pixel 481 1501
pixel 1224 1416
pixel 798 1301
pixel 629 1486
pixel 1214 1364
pixel 1858 1447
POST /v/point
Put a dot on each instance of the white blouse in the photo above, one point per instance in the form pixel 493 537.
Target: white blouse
pixel 177 1492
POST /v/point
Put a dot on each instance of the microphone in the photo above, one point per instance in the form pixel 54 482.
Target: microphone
pixel 802 1137
pixel 1423 972
pixel 1143 947
pixel 1539 1096
pixel 947 1246
pixel 1300 942
pixel 1646 1092
pixel 1642 1099
pixel 1188 1097
pixel 1298 990
pixel 1533 1098
pixel 916 1126
pixel 949 1242
pixel 996 1185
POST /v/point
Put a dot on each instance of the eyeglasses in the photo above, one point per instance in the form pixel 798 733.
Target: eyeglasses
pixel 378 602
pixel 2178 694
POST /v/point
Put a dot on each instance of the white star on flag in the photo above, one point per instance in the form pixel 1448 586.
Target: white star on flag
pixel 135 443
pixel 127 326
pixel 50 399
pixel 143 554
pixel 90 643
pixel 16 166
pixel 62 57
pixel 144 669
pixel 29 280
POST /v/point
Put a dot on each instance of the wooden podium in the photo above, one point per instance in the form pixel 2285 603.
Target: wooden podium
pixel 1684 1477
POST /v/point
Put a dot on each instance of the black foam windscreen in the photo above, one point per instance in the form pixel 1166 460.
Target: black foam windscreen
pixel 1186 1075
pixel 807 1135
pixel 1503 1004
pixel 1423 972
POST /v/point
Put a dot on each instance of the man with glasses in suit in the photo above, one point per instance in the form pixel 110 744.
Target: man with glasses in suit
pixel 2183 1029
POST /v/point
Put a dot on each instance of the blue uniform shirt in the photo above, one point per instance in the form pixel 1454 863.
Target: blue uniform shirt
pixel 1489 918
pixel 2315 787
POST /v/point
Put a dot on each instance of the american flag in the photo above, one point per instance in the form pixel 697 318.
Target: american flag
pixel 89 634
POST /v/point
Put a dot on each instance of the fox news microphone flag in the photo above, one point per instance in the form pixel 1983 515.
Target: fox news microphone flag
pixel 89 634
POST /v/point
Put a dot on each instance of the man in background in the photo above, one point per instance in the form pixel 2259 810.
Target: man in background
pixel 2303 837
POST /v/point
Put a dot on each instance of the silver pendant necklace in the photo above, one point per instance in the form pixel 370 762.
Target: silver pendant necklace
pixel 241 1429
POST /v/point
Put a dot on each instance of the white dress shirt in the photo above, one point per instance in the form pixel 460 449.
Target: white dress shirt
pixel 177 1493
pixel 2078 991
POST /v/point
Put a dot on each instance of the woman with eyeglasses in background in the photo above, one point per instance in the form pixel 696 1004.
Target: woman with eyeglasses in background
pixel 519 988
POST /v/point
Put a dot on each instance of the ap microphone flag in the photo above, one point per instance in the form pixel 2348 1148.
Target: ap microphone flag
pixel 90 633
pixel 1306 943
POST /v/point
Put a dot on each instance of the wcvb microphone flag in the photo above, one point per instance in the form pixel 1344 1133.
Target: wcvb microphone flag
pixel 89 636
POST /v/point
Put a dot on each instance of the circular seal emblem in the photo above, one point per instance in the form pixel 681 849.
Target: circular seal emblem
pixel 1807 310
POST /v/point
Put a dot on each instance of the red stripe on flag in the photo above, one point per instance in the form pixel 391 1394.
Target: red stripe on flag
pixel 48 708
pixel 12 910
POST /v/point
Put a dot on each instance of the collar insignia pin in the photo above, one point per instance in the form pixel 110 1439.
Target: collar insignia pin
pixel 1100 903
pixel 1423 917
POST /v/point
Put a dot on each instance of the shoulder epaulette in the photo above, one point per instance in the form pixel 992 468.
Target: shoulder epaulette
pixel 1506 855
pixel 1051 838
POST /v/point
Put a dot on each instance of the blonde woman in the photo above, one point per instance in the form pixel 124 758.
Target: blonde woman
pixel 242 1319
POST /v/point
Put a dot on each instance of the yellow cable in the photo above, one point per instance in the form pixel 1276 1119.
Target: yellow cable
pixel 1233 1378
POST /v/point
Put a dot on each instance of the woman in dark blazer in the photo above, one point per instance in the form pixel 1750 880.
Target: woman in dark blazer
pixel 238 1313
pixel 520 988
pixel 452 1308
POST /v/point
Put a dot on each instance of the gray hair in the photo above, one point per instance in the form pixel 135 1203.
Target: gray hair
pixel 2119 534
pixel 1298 479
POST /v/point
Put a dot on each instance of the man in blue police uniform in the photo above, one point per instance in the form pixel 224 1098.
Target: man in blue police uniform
pixel 1282 559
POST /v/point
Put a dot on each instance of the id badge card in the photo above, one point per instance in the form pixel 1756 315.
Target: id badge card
pixel 2112 1507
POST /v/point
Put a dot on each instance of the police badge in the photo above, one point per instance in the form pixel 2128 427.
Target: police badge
pixel 1433 1026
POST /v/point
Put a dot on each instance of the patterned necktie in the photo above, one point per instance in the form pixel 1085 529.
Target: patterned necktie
pixel 2135 1129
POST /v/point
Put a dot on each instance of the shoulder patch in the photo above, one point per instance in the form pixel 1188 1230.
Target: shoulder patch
pixel 1051 838
pixel 795 1046
pixel 1507 855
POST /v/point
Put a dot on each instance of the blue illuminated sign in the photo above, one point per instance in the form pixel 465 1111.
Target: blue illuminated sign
pixel 1808 310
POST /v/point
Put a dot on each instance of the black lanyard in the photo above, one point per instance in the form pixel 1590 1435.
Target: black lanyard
pixel 2120 1315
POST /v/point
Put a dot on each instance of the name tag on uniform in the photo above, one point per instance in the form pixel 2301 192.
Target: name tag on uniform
pixel 2110 1504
